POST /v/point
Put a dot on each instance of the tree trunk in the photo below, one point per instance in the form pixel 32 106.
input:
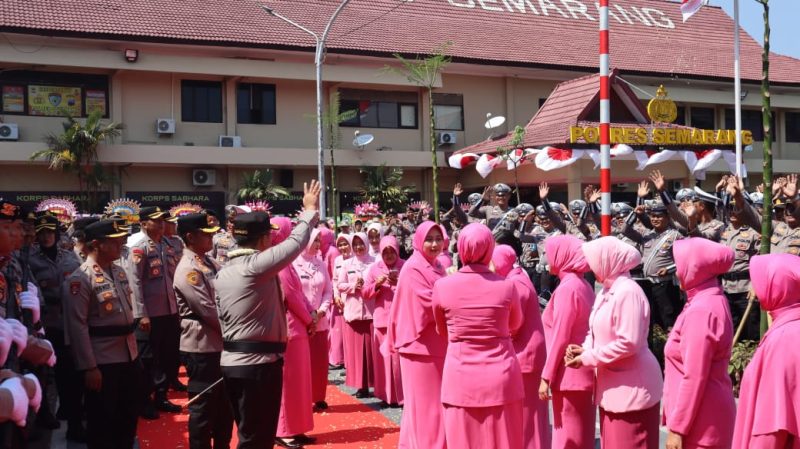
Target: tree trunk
pixel 434 161
pixel 766 116
pixel 334 195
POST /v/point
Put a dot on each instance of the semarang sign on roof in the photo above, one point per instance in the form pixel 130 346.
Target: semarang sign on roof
pixel 647 36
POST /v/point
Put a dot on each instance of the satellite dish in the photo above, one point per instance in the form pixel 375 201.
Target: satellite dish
pixel 494 122
pixel 362 140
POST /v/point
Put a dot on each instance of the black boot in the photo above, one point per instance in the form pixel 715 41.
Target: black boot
pixel 76 431
pixel 163 404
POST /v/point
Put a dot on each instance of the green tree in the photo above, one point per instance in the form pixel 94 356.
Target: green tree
pixel 382 186
pixel 425 72
pixel 506 152
pixel 259 186
pixel 766 115
pixel 75 150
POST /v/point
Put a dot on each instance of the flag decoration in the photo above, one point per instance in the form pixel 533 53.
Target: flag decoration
pixel 486 163
pixel 690 7
pixel 462 160
pixel 552 158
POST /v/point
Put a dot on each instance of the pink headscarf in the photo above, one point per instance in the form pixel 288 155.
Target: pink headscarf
pixel 390 242
pixel 422 233
pixel 281 234
pixel 700 260
pixel 503 259
pixel 363 237
pixel 610 257
pixel 770 393
pixel 314 233
pixel 325 240
pixel 565 256
pixel 475 244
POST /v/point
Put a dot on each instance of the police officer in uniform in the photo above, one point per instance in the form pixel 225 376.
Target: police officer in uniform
pixel 223 241
pixel 152 263
pixel 695 218
pixel 210 416
pixel 78 236
pixel 99 319
pixel 51 264
pixel 252 313
pixel 491 214
pixel 171 237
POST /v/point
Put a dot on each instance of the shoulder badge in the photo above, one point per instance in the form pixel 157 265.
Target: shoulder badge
pixel 745 234
pixel 193 278
pixel 74 288
pixel 96 268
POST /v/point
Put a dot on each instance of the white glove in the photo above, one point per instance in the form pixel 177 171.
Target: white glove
pixel 5 341
pixel 30 301
pixel 33 289
pixel 19 410
pixel 19 335
pixel 35 398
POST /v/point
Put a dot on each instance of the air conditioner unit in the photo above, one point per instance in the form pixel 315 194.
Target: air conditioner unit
pixel 204 177
pixel 447 138
pixel 9 131
pixel 165 126
pixel 230 141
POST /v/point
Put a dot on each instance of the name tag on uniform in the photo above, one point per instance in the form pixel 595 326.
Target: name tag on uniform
pixel 305 276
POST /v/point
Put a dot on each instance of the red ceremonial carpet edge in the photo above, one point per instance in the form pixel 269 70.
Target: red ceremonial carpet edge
pixel 347 423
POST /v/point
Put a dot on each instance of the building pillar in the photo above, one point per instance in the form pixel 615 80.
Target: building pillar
pixel 230 106
pixel 574 190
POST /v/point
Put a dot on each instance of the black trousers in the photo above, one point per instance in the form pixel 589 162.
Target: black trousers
pixel 112 412
pixel 255 396
pixel 69 381
pixel 210 416
pixel 162 351
pixel 665 302
pixel 738 304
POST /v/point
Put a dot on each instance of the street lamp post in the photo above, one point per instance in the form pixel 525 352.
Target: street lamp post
pixel 318 59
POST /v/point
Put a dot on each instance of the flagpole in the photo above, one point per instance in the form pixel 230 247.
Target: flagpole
pixel 605 123
pixel 737 88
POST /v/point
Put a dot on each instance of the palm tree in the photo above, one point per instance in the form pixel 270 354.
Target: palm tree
pixel 382 186
pixel 259 186
pixel 424 72
pixel 75 150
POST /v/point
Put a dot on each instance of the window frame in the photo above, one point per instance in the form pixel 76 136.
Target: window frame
pixel 195 83
pixel 449 100
pixel 274 103
pixel 788 128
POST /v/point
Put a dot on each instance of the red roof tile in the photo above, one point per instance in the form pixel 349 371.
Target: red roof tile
pixel 647 36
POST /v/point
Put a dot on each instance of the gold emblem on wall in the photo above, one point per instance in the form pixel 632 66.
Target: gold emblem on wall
pixel 661 109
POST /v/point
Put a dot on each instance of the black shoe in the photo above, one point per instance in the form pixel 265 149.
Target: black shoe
pixel 287 444
pixel 178 386
pixel 165 406
pixel 321 405
pixel 362 393
pixel 47 420
pixel 149 412
pixel 76 433
pixel 335 367
pixel 304 439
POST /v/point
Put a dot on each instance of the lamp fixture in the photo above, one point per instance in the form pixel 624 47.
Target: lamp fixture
pixel 131 55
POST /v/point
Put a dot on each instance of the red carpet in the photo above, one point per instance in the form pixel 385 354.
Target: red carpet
pixel 346 424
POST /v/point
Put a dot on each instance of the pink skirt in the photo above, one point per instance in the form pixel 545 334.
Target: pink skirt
pixel 358 355
pixel 780 439
pixel 388 384
pixel 336 353
pixel 574 416
pixel 319 365
pixel 296 415
pixel 498 427
pixel 535 421
pixel 631 430
pixel 422 424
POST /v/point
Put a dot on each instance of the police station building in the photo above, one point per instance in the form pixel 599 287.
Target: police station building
pixel 209 91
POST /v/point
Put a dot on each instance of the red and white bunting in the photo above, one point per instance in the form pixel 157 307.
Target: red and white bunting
pixel 551 158
pixel 462 160
pixel 519 157
pixel 730 159
pixel 486 163
pixel 705 159
pixel 690 7
pixel 648 158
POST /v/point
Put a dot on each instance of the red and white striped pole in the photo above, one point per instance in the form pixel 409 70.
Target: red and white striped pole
pixel 605 123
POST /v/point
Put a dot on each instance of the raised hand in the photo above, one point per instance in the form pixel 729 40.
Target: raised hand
pixel 658 180
pixel 790 189
pixel 644 189
pixel 487 193
pixel 311 196
pixel 457 190
pixel 587 192
pixel 723 182
pixel 594 196
pixel 544 190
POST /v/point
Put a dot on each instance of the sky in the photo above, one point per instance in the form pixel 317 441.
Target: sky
pixel 783 15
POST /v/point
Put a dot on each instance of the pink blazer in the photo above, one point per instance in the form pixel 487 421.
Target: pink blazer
pixel 298 310
pixel 529 342
pixel 355 308
pixel 566 321
pixel 628 377
pixel 317 286
pixel 478 310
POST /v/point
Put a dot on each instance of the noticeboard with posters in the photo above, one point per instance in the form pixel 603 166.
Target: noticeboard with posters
pixel 54 101
pixel 13 99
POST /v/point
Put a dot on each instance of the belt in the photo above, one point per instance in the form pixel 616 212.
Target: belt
pixel 191 316
pixel 111 331
pixel 736 276
pixel 659 279
pixel 254 347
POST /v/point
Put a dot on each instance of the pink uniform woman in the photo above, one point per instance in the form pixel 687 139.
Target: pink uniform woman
pixel 318 290
pixel 375 234
pixel 357 317
pixel 412 333
pixel 566 322
pixel 296 417
pixel 482 391
pixel 769 397
pixel 628 382
pixel 380 286
pixel 699 409
pixel 529 345
pixel 336 332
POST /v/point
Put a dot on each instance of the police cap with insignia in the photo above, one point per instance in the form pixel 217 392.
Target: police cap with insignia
pixel 46 223
pixel 656 207
pixel 196 222
pixel 540 211
pixel 10 211
pixel 757 198
pixel 501 189
pixel 685 195
pixel 105 229
pixel 79 226
pixel 251 225
pixel 473 198
pixel 702 195
pixel 575 206
pixel 524 208
pixel 151 213
pixel 621 209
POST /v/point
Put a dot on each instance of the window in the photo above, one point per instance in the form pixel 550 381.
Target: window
pixel 448 112
pixel 752 121
pixel 681 119
pixel 380 109
pixel 255 103
pixel 52 94
pixel 792 126
pixel 702 118
pixel 201 101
